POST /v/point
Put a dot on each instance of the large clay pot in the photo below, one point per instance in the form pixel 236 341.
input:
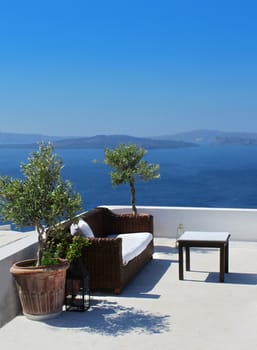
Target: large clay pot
pixel 41 289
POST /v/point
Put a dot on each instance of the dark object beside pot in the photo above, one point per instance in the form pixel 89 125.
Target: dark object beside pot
pixel 77 287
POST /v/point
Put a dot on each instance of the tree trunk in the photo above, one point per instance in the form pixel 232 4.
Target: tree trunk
pixel 40 231
pixel 133 197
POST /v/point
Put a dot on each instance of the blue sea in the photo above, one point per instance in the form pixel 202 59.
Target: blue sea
pixel 204 176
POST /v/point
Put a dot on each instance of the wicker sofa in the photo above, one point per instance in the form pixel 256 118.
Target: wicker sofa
pixel 103 258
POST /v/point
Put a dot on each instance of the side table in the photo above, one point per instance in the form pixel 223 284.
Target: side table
pixel 206 240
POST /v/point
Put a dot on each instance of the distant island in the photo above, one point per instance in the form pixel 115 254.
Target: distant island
pixel 180 140
pixel 112 141
pixel 98 141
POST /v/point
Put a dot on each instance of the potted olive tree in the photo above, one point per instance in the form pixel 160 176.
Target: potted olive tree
pixel 129 167
pixel 42 199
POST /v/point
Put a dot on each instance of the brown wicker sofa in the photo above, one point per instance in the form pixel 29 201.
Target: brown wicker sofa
pixel 103 258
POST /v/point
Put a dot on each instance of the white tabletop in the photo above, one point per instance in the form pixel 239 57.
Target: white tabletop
pixel 204 236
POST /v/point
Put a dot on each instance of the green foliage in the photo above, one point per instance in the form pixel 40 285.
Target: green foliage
pixel 49 258
pixel 42 198
pixel 75 248
pixel 126 160
pixel 68 247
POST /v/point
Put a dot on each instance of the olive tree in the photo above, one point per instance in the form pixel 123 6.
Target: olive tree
pixel 41 198
pixel 126 160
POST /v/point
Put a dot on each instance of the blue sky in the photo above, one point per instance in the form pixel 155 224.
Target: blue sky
pixel 133 67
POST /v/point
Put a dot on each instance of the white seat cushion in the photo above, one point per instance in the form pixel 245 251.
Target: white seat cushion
pixel 133 244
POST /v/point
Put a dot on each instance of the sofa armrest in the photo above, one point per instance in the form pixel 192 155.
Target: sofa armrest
pixel 103 258
pixel 103 261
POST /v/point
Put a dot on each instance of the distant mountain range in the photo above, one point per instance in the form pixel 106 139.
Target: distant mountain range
pixel 111 141
pixel 213 137
pixel 8 138
pixel 98 141
pixel 185 139
pixel 196 136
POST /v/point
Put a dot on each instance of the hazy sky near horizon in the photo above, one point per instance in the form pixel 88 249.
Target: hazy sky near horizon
pixel 138 67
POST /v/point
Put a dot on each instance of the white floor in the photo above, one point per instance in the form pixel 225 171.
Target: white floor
pixel 157 311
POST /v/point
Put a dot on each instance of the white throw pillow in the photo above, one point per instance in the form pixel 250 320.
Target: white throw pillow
pixel 74 229
pixel 85 229
pixel 82 228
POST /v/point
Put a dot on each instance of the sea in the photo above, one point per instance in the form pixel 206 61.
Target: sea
pixel 204 176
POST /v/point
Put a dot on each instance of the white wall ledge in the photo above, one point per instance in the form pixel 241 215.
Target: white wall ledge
pixel 241 223
pixel 20 249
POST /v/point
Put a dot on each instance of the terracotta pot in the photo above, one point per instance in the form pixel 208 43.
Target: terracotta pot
pixel 41 289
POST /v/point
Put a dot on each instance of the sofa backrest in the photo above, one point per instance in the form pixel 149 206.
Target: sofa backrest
pixel 104 222
pixel 95 219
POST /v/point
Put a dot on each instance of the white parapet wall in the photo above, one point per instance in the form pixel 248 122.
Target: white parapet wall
pixel 241 223
pixel 14 250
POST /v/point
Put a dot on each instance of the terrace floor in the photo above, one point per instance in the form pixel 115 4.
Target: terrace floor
pixel 157 311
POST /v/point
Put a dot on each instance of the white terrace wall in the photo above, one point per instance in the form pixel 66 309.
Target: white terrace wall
pixel 24 248
pixel 241 223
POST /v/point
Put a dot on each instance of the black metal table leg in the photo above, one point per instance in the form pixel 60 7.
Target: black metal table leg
pixel 180 262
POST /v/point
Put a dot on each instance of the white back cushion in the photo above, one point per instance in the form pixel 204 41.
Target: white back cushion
pixel 82 228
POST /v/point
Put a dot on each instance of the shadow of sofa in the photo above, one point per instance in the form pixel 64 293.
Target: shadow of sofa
pixel 103 257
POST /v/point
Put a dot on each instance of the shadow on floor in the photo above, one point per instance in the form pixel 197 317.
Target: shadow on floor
pixel 230 278
pixel 110 318
pixel 143 283
pixel 234 278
